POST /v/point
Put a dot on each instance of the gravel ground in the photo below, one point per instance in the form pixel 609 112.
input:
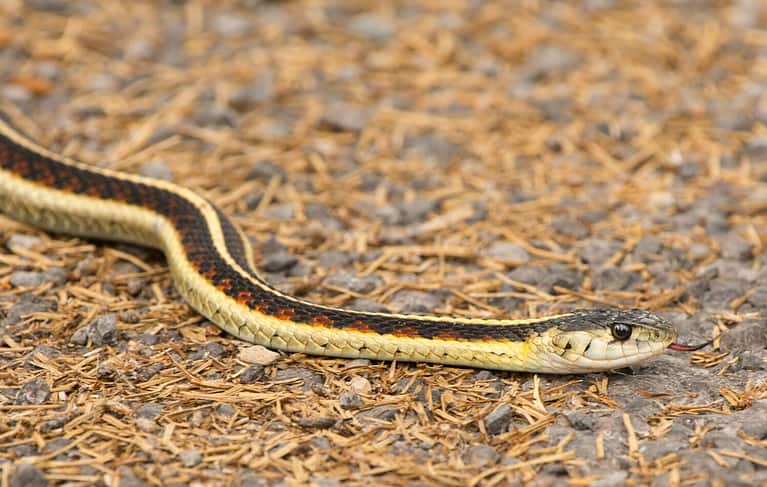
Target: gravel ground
pixel 461 158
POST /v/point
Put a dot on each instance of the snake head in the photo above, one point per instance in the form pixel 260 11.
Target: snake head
pixel 604 339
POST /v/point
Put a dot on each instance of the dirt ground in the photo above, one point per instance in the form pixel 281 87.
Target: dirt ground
pixel 465 158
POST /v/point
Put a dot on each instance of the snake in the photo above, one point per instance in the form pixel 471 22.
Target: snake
pixel 213 268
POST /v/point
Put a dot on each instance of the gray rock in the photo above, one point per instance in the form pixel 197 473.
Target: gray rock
pixel 756 148
pixel 346 117
pixel 28 303
pixel 748 335
pixel 746 423
pixel 499 419
pixel 212 349
pixel 149 410
pixel 570 227
pixel 278 261
pixel 260 91
pixel 33 392
pixel 349 400
pixel 226 410
pixel 358 284
pixel 231 24
pixel 265 170
pixel 614 479
pixel 157 169
pixel 481 455
pixel 27 475
pixel 324 481
pixel 252 374
pixel 128 479
pixel 699 251
pixel 648 245
pixel 365 304
pixel 721 292
pixel 372 27
pixel 22 279
pixel 614 278
pixel 385 413
pixel 551 60
pixel 597 251
pixel 417 210
pixel 281 212
pixel 507 251
pixel 758 298
pixel 334 258
pixel 733 246
pixel 190 458
pixel 411 301
pixel 44 350
pixel 529 274
pixel 431 147
pixel 580 420
pixel 101 331
pixel 311 380
pixel 23 241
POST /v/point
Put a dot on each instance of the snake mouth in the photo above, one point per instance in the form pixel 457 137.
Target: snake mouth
pixel 679 347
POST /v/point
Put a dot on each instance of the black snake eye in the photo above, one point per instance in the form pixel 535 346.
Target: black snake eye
pixel 621 331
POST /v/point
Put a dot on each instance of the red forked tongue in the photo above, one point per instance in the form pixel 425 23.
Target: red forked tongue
pixel 688 348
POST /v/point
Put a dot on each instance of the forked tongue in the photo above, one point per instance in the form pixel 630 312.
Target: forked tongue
pixel 688 348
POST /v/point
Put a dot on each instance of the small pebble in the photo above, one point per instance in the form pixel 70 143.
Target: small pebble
pixel 346 117
pixel 190 458
pixel 101 331
pixel 507 251
pixel 431 147
pixel 615 279
pixel 33 392
pixel 252 374
pixel 358 284
pixel 258 355
pixel 733 246
pixel 411 301
pixel 226 410
pixel 281 212
pixel 157 169
pixel 746 336
pixel 360 385
pixel 260 91
pixel 570 227
pixel 278 262
pixel 23 241
pixel 22 279
pixel 150 410
pixel 481 455
pixel 551 59
pixel 499 419
pixel 128 479
pixel 371 27
pixel 349 400
pixel 28 475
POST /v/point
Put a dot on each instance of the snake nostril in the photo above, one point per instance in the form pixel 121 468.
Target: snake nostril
pixel 568 346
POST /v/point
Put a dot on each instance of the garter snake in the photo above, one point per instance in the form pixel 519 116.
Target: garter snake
pixel 213 269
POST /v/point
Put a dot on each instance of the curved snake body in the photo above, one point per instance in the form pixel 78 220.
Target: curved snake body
pixel 212 265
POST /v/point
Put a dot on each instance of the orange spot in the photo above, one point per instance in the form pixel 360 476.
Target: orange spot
pixel 361 326
pixel 446 335
pixel 406 332
pixel 285 313
pixel 320 320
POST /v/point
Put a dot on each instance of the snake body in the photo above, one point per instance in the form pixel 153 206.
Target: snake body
pixel 213 269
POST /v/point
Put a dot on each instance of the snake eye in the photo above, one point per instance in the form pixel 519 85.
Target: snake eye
pixel 621 331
